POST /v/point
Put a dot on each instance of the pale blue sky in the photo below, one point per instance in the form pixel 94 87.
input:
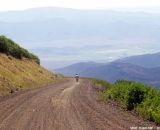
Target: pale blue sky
pixel 79 4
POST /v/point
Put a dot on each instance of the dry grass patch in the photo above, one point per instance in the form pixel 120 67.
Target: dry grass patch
pixel 21 74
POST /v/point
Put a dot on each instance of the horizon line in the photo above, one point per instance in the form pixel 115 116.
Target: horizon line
pixel 124 9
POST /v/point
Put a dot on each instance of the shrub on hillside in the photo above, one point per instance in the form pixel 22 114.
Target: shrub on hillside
pixel 150 107
pixel 9 47
pixel 129 94
pixel 3 47
pixel 101 83
pixel 144 100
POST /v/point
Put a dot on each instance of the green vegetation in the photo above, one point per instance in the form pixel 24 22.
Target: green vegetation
pixel 129 94
pixel 9 47
pixel 144 100
pixel 100 84
pixel 20 74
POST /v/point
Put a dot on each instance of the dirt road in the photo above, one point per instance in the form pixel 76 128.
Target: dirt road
pixel 63 106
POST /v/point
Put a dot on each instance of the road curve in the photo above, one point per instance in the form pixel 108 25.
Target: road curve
pixel 63 106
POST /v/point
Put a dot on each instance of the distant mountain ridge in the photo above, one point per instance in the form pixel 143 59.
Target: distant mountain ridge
pixel 118 70
pixel 80 68
pixel 148 60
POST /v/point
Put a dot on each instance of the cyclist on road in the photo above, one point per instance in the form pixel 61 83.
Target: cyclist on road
pixel 77 77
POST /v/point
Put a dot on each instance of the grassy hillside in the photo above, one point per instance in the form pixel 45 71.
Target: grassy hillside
pixel 21 74
pixel 9 47
pixel 20 69
pixel 133 96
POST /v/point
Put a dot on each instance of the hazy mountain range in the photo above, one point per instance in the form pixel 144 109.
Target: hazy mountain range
pixel 147 61
pixel 143 68
pixel 62 36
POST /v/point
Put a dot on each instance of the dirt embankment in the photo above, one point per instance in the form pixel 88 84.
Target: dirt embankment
pixel 18 74
pixel 63 106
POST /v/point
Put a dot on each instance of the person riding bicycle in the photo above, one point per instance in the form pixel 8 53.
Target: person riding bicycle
pixel 77 77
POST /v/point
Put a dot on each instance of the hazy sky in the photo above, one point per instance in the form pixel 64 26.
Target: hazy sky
pixel 79 4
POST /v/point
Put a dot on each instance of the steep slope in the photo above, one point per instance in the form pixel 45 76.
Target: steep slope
pixel 19 74
pixel 20 69
pixel 147 60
